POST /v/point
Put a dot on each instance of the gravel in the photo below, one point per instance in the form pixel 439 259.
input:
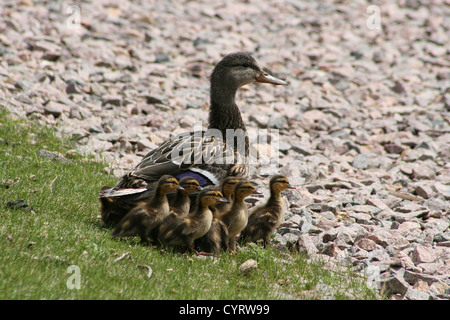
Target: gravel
pixel 364 126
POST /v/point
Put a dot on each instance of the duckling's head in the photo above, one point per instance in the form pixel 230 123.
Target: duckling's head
pixel 243 189
pixel 210 197
pixel 240 68
pixel 167 184
pixel 189 184
pixel 228 185
pixel 279 183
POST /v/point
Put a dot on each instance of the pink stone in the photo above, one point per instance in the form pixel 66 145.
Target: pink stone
pixel 366 244
pixel 423 254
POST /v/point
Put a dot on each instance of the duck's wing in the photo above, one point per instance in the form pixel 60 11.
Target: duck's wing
pixel 203 155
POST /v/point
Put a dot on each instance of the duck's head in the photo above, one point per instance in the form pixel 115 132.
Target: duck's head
pixel 210 197
pixel 167 183
pixel 228 185
pixel 243 189
pixel 189 184
pixel 240 68
pixel 279 183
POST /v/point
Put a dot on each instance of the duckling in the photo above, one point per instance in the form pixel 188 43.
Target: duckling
pixel 237 216
pixel 265 219
pixel 215 239
pixel 227 187
pixel 179 203
pixel 185 229
pixel 194 153
pixel 147 214
pixel 217 236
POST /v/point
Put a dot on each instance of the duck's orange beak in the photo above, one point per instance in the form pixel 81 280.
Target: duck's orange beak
pixel 264 77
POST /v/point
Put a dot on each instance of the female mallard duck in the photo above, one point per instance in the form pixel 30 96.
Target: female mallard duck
pixel 237 216
pixel 204 155
pixel 185 229
pixel 147 214
pixel 265 219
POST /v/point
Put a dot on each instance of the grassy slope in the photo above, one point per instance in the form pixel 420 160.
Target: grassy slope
pixel 61 228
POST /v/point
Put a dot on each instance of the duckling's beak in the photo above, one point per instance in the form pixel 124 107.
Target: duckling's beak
pixel 264 77
pixel 291 186
pixel 220 199
pixel 180 188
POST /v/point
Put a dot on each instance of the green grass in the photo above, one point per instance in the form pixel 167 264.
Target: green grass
pixel 61 227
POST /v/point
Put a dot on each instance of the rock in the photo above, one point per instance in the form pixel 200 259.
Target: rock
pixel 395 284
pixel 162 57
pixel 408 226
pixel 413 294
pixel 394 148
pixel 423 254
pixel 361 161
pixel 53 156
pixel 425 192
pixel 424 173
pixel 305 244
pixel 55 108
pixel 366 244
pixel 113 100
pixel 277 122
pixel 248 266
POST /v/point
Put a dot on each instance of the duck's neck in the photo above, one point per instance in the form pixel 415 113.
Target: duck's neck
pixel 274 199
pixel 159 198
pixel 224 113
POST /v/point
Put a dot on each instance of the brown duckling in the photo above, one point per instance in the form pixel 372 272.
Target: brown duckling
pixel 227 187
pixel 265 219
pixel 237 216
pixel 215 239
pixel 217 236
pixel 179 203
pixel 185 229
pixel 148 214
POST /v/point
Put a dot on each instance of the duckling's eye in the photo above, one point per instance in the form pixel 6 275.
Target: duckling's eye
pixel 245 65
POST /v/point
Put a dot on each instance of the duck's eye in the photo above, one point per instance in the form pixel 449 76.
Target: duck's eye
pixel 245 65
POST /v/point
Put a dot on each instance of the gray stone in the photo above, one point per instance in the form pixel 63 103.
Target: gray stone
pixel 361 161
pixel 395 284
pixel 413 294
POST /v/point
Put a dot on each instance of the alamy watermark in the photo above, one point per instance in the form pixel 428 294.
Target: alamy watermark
pixel 74 280
pixel 73 13
pixel 373 21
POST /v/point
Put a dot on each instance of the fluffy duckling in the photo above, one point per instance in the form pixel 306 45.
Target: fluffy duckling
pixel 227 187
pixel 265 219
pixel 184 229
pixel 215 239
pixel 180 202
pixel 147 214
pixel 237 216
pixel 217 236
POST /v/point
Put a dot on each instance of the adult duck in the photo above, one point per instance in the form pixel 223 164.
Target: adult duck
pixel 209 155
